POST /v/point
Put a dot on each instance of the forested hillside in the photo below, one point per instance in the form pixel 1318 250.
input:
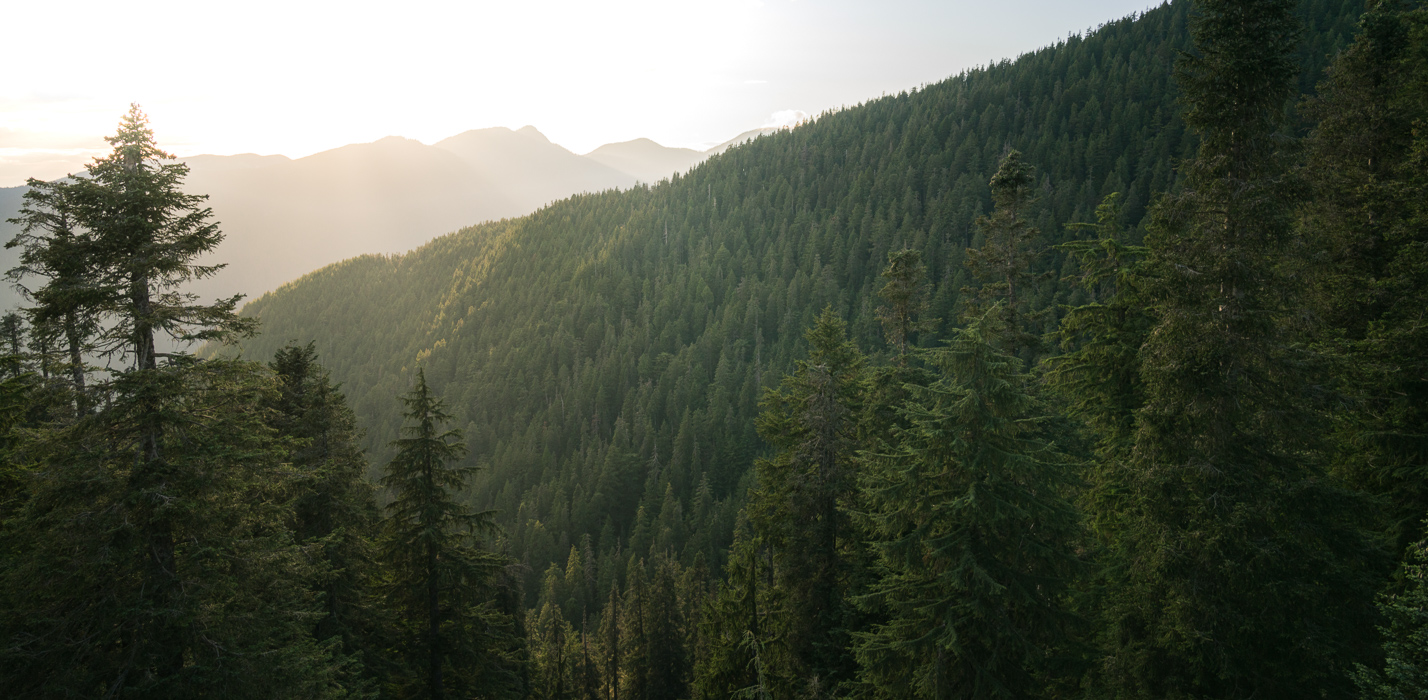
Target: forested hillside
pixel 1098 374
pixel 607 353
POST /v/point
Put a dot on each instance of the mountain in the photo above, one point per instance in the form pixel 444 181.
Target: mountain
pixel 745 137
pixel 606 354
pixel 529 169
pixel 388 196
pixel 646 160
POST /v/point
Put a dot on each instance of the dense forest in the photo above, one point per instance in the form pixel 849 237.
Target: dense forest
pixel 1096 373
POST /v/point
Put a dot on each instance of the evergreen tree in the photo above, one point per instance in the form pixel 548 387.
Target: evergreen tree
pixel 441 583
pixel 79 614
pixel 609 634
pixel 1405 645
pixel 973 536
pixel 67 306
pixel 334 507
pixel 1098 376
pixel 183 579
pixel 1366 227
pixel 811 421
pixel 905 295
pixel 742 652
pixel 1004 262
pixel 1238 570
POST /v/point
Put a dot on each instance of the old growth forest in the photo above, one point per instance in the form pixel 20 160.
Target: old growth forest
pixel 1097 373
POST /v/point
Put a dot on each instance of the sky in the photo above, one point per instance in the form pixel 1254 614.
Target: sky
pixel 294 77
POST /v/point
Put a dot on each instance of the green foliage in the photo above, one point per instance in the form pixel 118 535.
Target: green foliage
pixel 441 584
pixel 334 509
pixel 80 614
pixel 610 333
pixel 811 421
pixel 1366 226
pixel 973 536
pixel 1227 516
pixel 1005 261
pixel 1405 646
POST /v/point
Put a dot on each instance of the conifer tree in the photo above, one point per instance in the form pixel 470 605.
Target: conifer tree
pixel 334 507
pixel 904 312
pixel 1003 263
pixel 80 617
pixel 609 635
pixel 441 583
pixel 1366 226
pixel 1241 571
pixel 67 305
pixel 973 535
pixel 742 654
pixel 812 422
pixel 1405 635
pixel 184 579
pixel 1098 375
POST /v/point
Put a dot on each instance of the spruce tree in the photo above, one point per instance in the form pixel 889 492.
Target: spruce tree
pixel 1098 375
pixel 441 583
pixel 53 248
pixel 1366 228
pixel 1405 635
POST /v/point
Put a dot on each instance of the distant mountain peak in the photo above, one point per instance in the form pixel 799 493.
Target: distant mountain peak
pixel 533 132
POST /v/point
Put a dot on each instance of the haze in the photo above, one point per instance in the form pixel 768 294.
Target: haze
pixel 299 78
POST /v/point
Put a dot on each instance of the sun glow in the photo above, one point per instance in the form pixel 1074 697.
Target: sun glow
pixel 300 77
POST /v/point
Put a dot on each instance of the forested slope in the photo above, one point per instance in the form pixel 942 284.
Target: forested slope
pixel 606 354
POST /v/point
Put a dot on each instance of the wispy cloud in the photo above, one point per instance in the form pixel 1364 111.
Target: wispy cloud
pixel 785 118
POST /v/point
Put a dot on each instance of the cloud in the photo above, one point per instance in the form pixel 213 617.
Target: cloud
pixel 785 118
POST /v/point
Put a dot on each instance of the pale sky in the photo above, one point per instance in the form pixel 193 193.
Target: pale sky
pixel 293 77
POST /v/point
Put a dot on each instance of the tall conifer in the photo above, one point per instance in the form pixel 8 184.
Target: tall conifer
pixel 974 538
pixel 442 584
pixel 1242 573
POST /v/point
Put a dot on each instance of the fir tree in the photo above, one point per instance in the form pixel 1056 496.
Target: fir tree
pixel 811 420
pixel 973 536
pixel 185 580
pixel 67 306
pixel 1405 636
pixel 441 583
pixel 1227 518
pixel 1003 263
pixel 1366 227
pixel 334 507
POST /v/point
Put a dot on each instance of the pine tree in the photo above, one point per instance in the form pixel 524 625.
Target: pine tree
pixel 1098 375
pixel 609 634
pixel 441 583
pixel 905 295
pixel 974 538
pixel 1405 636
pixel 1238 570
pixel 80 616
